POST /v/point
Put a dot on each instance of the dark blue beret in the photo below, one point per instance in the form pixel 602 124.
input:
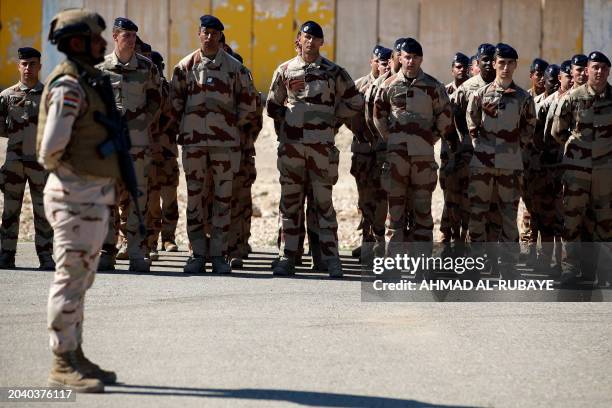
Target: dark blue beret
pixel 412 46
pixel 377 49
pixel 208 21
pixel 580 59
pixel 538 64
pixel 384 53
pixel 28 52
pixel 552 70
pixel 597 56
pixel 157 58
pixel 505 51
pixel 461 58
pixel 566 66
pixel 473 58
pixel 397 45
pixel 486 49
pixel 312 28
pixel 125 24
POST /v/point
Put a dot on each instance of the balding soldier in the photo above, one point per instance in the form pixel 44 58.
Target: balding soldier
pixel 583 124
pixel 463 156
pixel 212 98
pixel 365 170
pixel 529 229
pixel 80 189
pixel 450 182
pixel 411 113
pixel 163 174
pixel 19 106
pixel 548 194
pixel 501 121
pixel 308 97
pixel 136 86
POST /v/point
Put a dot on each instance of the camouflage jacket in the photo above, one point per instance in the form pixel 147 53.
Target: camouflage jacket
pixel 460 102
pixel 416 114
pixel 583 124
pixel 501 123
pixel 550 151
pixel 362 137
pixel 163 134
pixel 445 149
pixel 370 96
pixel 211 99
pixel 136 86
pixel 251 129
pixel 308 101
pixel 18 120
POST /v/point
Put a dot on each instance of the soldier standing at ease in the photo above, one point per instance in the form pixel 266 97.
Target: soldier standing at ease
pixel 136 87
pixel 412 112
pixel 163 174
pixel 529 228
pixel 501 121
pixel 19 106
pixel 308 97
pixel 450 223
pixel 583 125
pixel 80 189
pixel 213 97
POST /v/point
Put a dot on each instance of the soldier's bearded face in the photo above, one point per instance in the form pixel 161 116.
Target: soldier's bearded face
pixel 598 74
pixel 579 74
pixel 29 69
pixel 125 41
pixel 210 39
pixel 411 63
pixel 505 67
pixel 459 71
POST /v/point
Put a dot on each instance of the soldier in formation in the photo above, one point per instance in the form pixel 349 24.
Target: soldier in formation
pixel 19 105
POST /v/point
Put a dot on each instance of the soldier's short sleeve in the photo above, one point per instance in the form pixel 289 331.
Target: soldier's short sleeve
pixel 473 114
pixel 350 101
pixel 275 104
pixel 562 120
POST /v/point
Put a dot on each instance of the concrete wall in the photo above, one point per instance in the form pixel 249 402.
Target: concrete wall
pixel 262 31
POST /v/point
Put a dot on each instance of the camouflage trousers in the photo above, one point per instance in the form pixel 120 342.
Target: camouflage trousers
pixel 547 208
pixel 302 166
pixel 529 226
pixel 409 182
pixel 79 233
pixel 372 199
pixel 503 188
pixel 209 172
pixel 585 190
pixel 123 220
pixel 308 219
pixel 242 206
pixel 455 214
pixel 14 176
pixel 163 184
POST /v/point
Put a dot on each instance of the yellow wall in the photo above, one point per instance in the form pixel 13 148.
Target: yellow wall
pixel 21 27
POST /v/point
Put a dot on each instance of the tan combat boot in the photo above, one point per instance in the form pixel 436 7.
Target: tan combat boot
pixel 66 373
pixel 92 370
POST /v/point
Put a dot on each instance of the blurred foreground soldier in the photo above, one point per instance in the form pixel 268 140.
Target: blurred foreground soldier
pixel 548 188
pixel 450 180
pixel 583 124
pixel 412 112
pixel 136 87
pixel 212 98
pixel 163 174
pixel 18 118
pixel 465 150
pixel 529 232
pixel 501 121
pixel 308 97
pixel 80 189
pixel 371 197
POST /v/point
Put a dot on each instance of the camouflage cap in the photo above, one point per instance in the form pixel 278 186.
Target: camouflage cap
pixel 566 67
pixel 76 21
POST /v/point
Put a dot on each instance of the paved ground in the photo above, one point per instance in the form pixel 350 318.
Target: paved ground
pixel 253 340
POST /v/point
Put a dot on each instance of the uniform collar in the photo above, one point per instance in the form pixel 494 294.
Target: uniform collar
pixel 607 92
pixel 316 63
pixel 511 89
pixel 419 76
pixel 36 88
pixel 215 62
pixel 131 65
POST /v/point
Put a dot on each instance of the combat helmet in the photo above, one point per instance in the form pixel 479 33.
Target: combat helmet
pixel 75 21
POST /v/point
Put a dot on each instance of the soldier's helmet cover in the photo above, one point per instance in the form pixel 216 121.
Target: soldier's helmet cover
pixel 77 21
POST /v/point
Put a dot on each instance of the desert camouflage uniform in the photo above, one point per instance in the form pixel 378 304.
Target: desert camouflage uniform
pixel 307 101
pixel 211 99
pixel 136 86
pixel 366 170
pixel 411 116
pixel 18 119
pixel 242 201
pixel 163 176
pixel 583 125
pixel 501 123
pixel 77 207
